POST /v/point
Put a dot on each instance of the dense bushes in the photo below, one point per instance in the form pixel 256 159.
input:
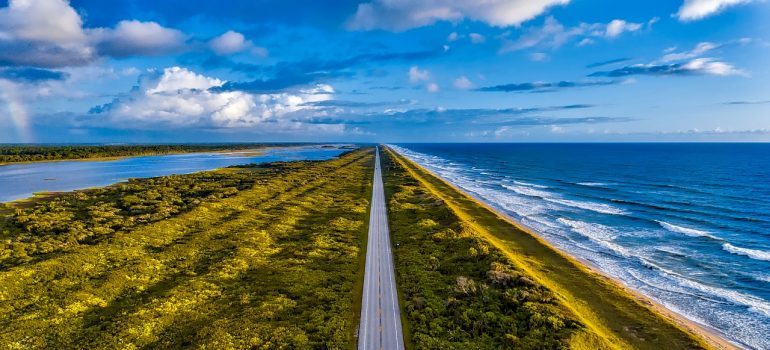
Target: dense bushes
pixel 458 291
pixel 13 153
pixel 272 267
pixel 49 225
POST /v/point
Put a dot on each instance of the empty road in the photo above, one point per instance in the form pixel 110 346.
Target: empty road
pixel 380 326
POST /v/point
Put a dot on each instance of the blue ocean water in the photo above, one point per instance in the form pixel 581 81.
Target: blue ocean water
pixel 19 181
pixel 685 224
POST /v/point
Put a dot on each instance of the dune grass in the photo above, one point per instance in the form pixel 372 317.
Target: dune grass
pixel 274 264
pixel 606 316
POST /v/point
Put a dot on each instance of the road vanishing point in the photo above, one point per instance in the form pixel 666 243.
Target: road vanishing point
pixel 380 326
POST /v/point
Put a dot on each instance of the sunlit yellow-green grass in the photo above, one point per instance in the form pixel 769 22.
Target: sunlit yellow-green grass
pixel 273 265
pixel 605 315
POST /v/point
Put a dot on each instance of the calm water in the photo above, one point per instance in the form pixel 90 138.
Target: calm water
pixel 686 224
pixel 19 181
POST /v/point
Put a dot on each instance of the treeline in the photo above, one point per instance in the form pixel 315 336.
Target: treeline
pixel 459 292
pixel 30 153
pixel 261 257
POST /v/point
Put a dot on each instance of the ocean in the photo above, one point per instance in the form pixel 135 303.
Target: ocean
pixel 688 225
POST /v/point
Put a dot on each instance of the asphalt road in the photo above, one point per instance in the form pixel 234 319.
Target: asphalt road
pixel 380 326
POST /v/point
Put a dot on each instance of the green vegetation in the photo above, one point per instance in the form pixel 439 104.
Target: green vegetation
pixel 471 279
pixel 16 153
pixel 51 224
pixel 264 257
pixel 458 291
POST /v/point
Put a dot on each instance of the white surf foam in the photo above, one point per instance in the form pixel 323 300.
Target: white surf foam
pixel 522 183
pixel 685 230
pixel 528 191
pixel 751 253
pixel 592 184
pixel 597 207
pixel 761 277
pixel 602 235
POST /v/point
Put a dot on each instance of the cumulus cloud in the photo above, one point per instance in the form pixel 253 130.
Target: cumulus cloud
pixel 400 15
pixel 417 75
pixel 134 38
pixel 463 83
pixel 42 33
pixel 233 42
pixel 693 10
pixel 50 33
pixel 477 38
pixel 432 87
pixel 178 97
pixel 619 26
pixel 553 34
pixel 228 43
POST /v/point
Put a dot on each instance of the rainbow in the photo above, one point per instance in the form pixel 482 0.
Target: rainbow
pixel 17 112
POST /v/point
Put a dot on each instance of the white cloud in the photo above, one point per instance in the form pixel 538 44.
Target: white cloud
pixel 175 79
pixel 477 38
pixel 228 43
pixel 619 26
pixel 52 21
pixel 178 97
pixel 692 10
pixel 45 33
pixel 50 33
pixel 130 38
pixel 453 36
pixel 553 34
pixel 710 66
pixel 417 75
pixel 399 15
pixel 233 42
pixel 432 87
pixel 463 83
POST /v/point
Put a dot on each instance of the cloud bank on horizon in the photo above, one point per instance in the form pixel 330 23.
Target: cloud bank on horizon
pixel 385 70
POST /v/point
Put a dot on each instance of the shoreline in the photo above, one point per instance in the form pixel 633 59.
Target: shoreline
pixel 708 334
pixel 41 195
pixel 246 152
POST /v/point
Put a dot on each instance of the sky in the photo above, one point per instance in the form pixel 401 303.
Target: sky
pixel 95 71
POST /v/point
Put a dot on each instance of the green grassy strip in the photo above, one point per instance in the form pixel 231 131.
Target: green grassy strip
pixel 458 291
pixel 612 317
pixel 274 266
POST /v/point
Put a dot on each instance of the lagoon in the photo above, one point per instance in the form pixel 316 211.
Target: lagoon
pixel 19 181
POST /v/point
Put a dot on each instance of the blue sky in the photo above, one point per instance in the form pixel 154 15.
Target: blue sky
pixel 384 70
